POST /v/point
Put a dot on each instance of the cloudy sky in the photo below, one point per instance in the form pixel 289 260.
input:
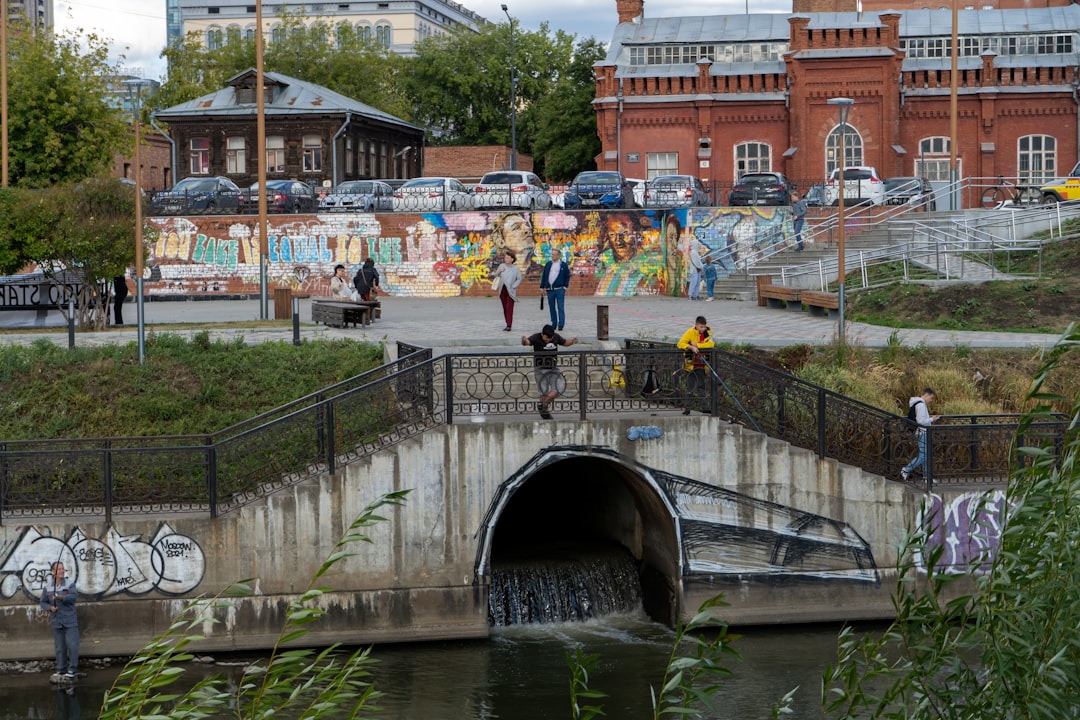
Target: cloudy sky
pixel 136 28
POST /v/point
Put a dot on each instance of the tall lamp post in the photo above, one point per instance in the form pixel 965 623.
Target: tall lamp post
pixel 513 96
pixel 844 104
pixel 135 88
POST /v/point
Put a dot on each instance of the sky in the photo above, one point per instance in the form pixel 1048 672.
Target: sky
pixel 136 28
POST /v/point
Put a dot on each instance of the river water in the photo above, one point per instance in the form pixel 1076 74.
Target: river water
pixel 521 673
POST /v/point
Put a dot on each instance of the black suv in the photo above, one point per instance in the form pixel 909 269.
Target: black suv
pixel 915 191
pixel 761 188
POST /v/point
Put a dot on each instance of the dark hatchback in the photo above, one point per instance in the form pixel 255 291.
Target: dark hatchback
pixel 195 195
pixel 763 188
pixel 915 191
pixel 599 189
pixel 283 196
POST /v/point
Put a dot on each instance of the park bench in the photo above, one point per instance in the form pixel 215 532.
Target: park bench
pixel 341 314
pixel 821 303
pixel 776 296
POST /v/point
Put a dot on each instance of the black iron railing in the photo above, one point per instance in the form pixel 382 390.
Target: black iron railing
pixel 221 471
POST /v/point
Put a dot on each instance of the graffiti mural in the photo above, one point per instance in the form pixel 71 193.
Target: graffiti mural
pixel 611 252
pixel 169 563
pixel 966 529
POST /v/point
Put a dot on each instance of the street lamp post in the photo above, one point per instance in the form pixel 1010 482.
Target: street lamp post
pixel 513 96
pixel 844 105
pixel 135 88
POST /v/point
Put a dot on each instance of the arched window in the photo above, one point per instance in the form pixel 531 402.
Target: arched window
pixel 1036 158
pixel 383 35
pixel 214 37
pixel 853 149
pixel 249 32
pixel 232 34
pixel 342 32
pixel 752 157
pixel 364 31
pixel 277 34
pixel 933 160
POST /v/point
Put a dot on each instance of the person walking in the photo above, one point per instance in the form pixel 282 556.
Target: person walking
pixel 693 341
pixel 798 212
pixel 58 599
pixel 696 268
pixel 509 277
pixel 554 280
pixel 710 279
pixel 549 379
pixel 120 293
pixel 919 411
pixel 366 281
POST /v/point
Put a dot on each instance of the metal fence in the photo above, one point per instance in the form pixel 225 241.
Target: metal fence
pixel 219 472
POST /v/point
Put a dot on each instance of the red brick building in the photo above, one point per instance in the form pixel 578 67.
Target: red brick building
pixel 718 96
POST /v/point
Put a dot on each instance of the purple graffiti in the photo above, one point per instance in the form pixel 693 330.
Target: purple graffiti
pixel 966 529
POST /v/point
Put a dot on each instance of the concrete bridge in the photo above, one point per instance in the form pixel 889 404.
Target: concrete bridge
pixel 704 506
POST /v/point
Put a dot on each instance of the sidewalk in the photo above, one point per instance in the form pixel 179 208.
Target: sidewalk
pixel 460 323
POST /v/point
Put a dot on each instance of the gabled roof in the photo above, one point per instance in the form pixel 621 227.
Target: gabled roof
pixel 291 97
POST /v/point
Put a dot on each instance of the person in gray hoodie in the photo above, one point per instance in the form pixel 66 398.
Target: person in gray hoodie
pixel 58 599
pixel 923 419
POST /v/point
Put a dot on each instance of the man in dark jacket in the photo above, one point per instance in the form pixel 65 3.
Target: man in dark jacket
pixel 554 280
pixel 366 281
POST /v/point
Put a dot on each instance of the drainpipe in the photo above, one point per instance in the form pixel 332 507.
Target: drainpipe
pixel 337 136
pixel 618 129
pixel 172 170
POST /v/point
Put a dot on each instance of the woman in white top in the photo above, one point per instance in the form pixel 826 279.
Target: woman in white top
pixel 509 277
pixel 340 287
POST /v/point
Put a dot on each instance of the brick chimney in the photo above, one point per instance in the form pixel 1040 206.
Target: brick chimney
pixel 630 10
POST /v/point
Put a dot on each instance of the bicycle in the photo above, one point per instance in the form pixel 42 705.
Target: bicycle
pixel 1008 194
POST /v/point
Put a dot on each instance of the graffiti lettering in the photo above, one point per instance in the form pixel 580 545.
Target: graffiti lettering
pixel 967 529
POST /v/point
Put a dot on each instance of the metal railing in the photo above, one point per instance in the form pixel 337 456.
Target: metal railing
pixel 220 472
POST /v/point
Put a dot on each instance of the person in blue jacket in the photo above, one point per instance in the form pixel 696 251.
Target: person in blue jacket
pixel 58 599
pixel 554 280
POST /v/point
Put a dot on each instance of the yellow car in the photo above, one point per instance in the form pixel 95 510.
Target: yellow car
pixel 1061 189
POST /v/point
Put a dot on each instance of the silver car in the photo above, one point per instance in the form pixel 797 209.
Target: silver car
pixel 425 194
pixel 511 189
pixel 359 196
pixel 669 191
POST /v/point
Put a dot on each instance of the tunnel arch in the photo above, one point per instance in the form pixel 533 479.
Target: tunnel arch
pixel 585 496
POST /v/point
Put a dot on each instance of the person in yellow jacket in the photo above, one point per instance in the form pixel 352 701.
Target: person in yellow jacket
pixel 692 342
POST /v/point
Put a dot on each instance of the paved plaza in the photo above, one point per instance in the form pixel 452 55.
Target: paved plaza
pixel 458 323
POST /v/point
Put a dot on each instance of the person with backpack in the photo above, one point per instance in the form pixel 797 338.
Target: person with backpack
pixel 366 281
pixel 919 414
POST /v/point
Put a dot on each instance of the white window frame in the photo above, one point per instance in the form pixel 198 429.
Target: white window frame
pixel 235 155
pixel 199 154
pixel 661 163
pixel 1036 158
pixel 752 156
pixel 933 159
pixel 275 153
pixel 853 149
pixel 312 146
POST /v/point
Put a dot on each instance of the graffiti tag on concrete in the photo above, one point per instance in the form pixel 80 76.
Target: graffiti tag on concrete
pixel 169 563
pixel 967 529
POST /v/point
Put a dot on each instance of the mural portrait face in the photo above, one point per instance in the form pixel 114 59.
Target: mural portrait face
pixel 622 235
pixel 513 231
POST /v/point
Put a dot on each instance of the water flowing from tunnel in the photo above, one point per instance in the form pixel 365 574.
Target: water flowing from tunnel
pixel 565 588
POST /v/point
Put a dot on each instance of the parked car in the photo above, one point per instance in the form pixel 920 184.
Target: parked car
pixel 433 193
pixel 359 196
pixel 915 191
pixel 668 191
pixel 761 188
pixel 639 190
pixel 282 196
pixel 815 196
pixel 599 188
pixel 511 189
pixel 862 186
pixel 197 195
pixel 1061 189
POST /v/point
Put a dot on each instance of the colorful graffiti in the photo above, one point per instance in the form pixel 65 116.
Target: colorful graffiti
pixel 170 563
pixel 966 529
pixel 612 253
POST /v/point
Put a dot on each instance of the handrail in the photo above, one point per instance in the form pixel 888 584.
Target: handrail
pixel 220 472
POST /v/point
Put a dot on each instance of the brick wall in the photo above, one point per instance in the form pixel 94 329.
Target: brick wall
pixel 469 163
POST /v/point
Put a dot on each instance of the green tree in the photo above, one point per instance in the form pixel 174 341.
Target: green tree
pixel 565 141
pixel 338 58
pixel 1007 648
pixel 460 84
pixel 79 233
pixel 62 126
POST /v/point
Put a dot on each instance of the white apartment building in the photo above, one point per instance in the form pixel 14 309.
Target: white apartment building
pixel 39 12
pixel 396 24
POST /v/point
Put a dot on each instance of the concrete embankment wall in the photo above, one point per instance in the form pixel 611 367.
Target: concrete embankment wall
pixel 705 507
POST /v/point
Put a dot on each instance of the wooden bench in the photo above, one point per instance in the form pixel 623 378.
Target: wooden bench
pixel 821 303
pixel 776 296
pixel 341 314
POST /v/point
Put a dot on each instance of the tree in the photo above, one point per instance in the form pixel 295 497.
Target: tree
pixel 460 84
pixel 62 126
pixel 338 58
pixel 78 234
pixel 565 139
pixel 1008 648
